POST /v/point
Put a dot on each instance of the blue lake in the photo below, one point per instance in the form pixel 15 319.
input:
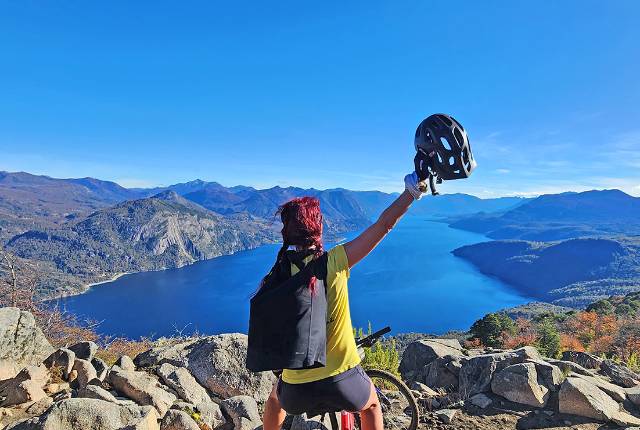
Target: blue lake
pixel 411 282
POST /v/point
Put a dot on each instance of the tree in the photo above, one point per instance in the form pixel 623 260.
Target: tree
pixel 492 328
pixel 548 338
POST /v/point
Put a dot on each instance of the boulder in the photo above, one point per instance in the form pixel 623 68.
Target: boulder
pixel 211 414
pixel 91 414
pixel 477 372
pixel 518 383
pixel 481 401
pixel 178 420
pixel 63 358
pixel 570 366
pixel 422 352
pixel 633 394
pixel 580 397
pixel 96 392
pixel 22 343
pixel 617 393
pixel 183 383
pixel 86 372
pixel 101 368
pixel 443 372
pixel 40 407
pixel 549 375
pixel 243 412
pixel 619 374
pixel 24 392
pixel 584 359
pixel 446 415
pixel 26 386
pixel 125 363
pixel 218 364
pixel 141 387
pixel 84 350
pixel 423 389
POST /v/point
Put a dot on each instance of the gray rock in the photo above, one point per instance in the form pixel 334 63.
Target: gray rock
pixel 96 392
pixel 446 415
pixel 22 343
pixel 92 414
pixel 86 372
pixel 584 359
pixel 518 383
pixel 633 394
pixel 620 375
pixel 481 401
pixel 125 363
pixel 178 420
pixel 569 366
pixel 549 375
pixel 84 350
pixel 183 383
pixel 40 407
pixel 217 363
pixel 63 358
pixel 617 393
pixel 23 392
pixel 142 388
pixel 101 368
pixel 443 372
pixel 422 352
pixel 580 397
pixel 243 412
pixel 211 414
pixel 476 372
pixel 423 389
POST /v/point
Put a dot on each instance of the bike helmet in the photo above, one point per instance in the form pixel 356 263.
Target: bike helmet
pixel 444 141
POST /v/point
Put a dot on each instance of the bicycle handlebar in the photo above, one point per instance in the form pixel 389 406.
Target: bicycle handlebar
pixel 368 341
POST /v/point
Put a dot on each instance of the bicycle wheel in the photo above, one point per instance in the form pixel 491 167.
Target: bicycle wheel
pixel 399 407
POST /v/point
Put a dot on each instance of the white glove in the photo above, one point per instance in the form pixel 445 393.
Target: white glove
pixel 412 185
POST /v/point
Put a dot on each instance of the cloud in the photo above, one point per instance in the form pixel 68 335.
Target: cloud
pixel 503 171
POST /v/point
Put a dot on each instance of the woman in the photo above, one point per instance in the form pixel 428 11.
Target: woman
pixel 341 384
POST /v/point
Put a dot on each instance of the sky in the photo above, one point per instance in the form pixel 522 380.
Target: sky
pixel 321 94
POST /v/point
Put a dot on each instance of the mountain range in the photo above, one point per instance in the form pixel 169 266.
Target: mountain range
pixel 79 231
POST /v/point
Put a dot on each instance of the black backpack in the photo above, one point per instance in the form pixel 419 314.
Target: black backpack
pixel 287 323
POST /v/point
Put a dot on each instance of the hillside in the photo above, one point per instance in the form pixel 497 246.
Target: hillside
pixel 146 234
pixel 573 272
pixel 561 216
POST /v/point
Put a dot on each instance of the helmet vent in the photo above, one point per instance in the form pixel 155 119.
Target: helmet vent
pixel 445 143
pixel 458 136
pixel 446 120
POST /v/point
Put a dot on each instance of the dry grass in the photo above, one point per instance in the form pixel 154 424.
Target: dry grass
pixel 115 348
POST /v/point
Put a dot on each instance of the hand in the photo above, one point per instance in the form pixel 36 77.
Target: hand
pixel 414 186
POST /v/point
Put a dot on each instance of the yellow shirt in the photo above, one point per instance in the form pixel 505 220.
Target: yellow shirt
pixel 342 353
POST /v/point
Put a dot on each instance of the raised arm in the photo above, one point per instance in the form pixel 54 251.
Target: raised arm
pixel 362 245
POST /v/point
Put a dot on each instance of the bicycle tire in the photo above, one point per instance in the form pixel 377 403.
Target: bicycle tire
pixel 403 389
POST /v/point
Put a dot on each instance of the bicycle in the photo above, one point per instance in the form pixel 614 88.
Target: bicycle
pixel 399 407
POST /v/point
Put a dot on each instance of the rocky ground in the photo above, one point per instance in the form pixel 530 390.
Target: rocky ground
pixel 202 384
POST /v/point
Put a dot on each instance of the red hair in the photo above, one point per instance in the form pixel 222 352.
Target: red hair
pixel 301 226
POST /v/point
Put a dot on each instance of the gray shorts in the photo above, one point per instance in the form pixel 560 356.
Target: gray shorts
pixel 347 391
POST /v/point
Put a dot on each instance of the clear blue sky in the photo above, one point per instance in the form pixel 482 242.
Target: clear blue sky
pixel 323 94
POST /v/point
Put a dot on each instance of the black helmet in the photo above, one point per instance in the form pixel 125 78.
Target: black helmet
pixel 444 140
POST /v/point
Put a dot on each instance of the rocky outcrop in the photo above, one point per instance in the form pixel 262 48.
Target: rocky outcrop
pixel 84 350
pixel 620 375
pixel 63 358
pixel 422 352
pixel 142 388
pixel 178 420
pixel 579 397
pixel 183 383
pixel 519 383
pixel 22 342
pixel 584 359
pixel 91 414
pixel 243 412
pixel 217 363
pixel 85 372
